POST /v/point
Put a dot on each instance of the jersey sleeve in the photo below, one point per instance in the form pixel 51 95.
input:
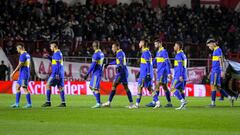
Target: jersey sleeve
pixel 179 60
pixel 168 63
pixel 93 64
pixel 58 56
pixel 147 57
pixel 119 59
pixel 22 58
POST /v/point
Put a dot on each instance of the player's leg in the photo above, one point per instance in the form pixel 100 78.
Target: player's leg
pixel 95 86
pixel 175 89
pixel 113 92
pixel 215 82
pixel 168 95
pixel 124 81
pixel 18 93
pixel 139 94
pixel 129 95
pixel 182 88
pixel 155 95
pixel 62 93
pixel 50 83
pixel 28 95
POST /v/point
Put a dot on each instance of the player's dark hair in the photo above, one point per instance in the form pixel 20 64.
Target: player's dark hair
pixel 157 40
pixel 145 42
pixel 116 44
pixel 20 44
pixel 97 43
pixel 180 44
pixel 54 42
pixel 211 40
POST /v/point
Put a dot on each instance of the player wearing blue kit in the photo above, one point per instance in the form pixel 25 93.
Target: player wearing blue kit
pixel 146 71
pixel 96 70
pixel 24 75
pixel 57 76
pixel 121 76
pixel 217 71
pixel 178 82
pixel 163 72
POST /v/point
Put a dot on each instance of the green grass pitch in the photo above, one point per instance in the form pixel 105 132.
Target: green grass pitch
pixel 79 119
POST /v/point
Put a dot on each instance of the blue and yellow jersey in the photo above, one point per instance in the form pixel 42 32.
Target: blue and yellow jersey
pixel 146 66
pixel 97 62
pixel 120 60
pixel 24 59
pixel 217 55
pixel 57 63
pixel 180 65
pixel 162 61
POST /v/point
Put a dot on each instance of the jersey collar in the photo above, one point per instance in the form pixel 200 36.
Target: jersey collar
pixel 97 50
pixel 119 50
pixel 160 49
pixel 215 48
pixel 23 52
pixel 180 51
pixel 56 50
pixel 145 49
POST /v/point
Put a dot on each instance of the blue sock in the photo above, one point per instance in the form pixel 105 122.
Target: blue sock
pixel 155 97
pixel 214 95
pixel 48 95
pixel 224 93
pixel 183 94
pixel 111 95
pixel 94 94
pixel 178 95
pixel 139 98
pixel 97 95
pixel 62 94
pixel 129 94
pixel 28 97
pixel 18 95
pixel 167 93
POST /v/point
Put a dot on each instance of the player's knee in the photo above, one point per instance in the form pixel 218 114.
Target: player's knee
pixel 47 86
pixel 17 87
pixel 96 91
pixel 150 89
pixel 173 89
pixel 126 88
pixel 157 85
pixel 113 87
pixel 140 88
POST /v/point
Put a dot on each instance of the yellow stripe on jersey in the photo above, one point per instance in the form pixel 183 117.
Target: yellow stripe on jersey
pixel 117 61
pixel 100 62
pixel 215 58
pixel 160 59
pixel 124 61
pixel 144 61
pixel 184 63
pixel 26 63
pixel 54 62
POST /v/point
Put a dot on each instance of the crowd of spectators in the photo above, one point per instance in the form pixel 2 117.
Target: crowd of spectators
pixel 73 24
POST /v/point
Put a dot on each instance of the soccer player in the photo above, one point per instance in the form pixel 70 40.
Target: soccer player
pixel 178 83
pixel 146 71
pixel 122 75
pixel 217 71
pixel 96 70
pixel 57 76
pixel 163 72
pixel 24 75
